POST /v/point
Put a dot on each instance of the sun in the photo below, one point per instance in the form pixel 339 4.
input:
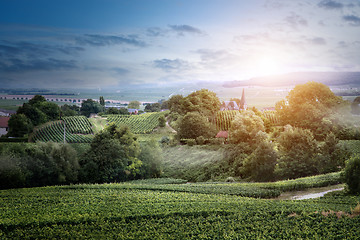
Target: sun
pixel 268 66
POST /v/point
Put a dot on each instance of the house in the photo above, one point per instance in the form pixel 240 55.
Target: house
pixel 4 128
pixel 133 111
pixel 229 105
pixel 6 113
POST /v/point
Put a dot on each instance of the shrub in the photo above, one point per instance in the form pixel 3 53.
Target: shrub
pixel 190 142
pixel 352 174
pixel 200 140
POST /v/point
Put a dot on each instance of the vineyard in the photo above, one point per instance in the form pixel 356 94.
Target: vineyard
pixel 224 118
pixel 78 129
pixel 170 209
pixel 138 124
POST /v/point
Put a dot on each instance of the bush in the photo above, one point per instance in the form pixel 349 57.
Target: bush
pixel 190 142
pixel 200 140
pixel 352 174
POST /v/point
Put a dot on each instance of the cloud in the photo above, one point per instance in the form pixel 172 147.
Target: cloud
pixel 169 65
pixel 181 30
pixel 295 21
pixel 317 41
pixel 156 32
pixel 211 55
pixel 31 50
pixel 120 71
pixel 352 20
pixel 109 40
pixel 16 65
pixel 330 5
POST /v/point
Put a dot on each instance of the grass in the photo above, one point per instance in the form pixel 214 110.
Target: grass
pixel 111 211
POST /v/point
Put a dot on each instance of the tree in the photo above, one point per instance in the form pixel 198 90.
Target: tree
pixel 19 125
pixel 33 113
pixel 245 126
pixel 175 104
pixel 260 164
pixel 113 156
pixel 307 104
pixel 355 106
pixel 134 104
pixel 202 101
pixel 162 121
pixel 90 106
pixel 51 110
pixel 298 151
pixel 69 110
pixel 151 158
pixel 102 101
pixel 352 174
pixel 112 110
pixel 333 155
pixel 155 107
pixel 37 99
pixel 194 125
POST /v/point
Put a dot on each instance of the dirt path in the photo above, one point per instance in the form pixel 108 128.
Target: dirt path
pixel 309 193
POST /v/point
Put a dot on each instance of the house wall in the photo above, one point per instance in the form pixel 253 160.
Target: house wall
pixel 3 131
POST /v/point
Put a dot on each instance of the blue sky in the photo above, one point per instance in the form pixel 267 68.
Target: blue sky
pixel 111 44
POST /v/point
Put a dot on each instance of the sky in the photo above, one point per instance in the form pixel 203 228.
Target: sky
pixel 110 44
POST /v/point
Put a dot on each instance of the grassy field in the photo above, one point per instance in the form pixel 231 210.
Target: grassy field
pixel 130 211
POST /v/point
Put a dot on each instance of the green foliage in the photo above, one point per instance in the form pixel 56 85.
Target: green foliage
pixel 352 174
pixel 298 151
pixel 138 124
pixel 194 125
pixel 259 165
pixel 134 104
pixel 245 126
pixel 102 101
pixel 162 121
pixel 41 164
pixel 155 107
pixel 333 155
pixel 19 125
pixel 151 158
pixel 112 156
pixel 90 106
pixel 307 105
pixel 69 110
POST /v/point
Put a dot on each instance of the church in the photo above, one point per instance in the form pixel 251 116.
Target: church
pixel 233 105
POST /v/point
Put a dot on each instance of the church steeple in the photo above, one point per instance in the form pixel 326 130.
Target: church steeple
pixel 243 105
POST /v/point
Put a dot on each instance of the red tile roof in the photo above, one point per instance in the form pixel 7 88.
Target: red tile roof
pixel 4 122
pixel 222 134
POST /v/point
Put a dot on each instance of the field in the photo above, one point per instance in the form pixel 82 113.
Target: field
pixel 133 211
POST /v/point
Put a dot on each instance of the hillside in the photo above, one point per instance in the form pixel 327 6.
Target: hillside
pixel 168 209
pixel 351 79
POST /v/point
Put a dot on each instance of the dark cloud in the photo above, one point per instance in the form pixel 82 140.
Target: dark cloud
pixel 181 30
pixel 31 50
pixel 211 55
pixel 120 71
pixel 156 32
pixel 329 4
pixel 352 20
pixel 109 40
pixel 317 41
pixel 169 65
pixel 16 65
pixel 295 21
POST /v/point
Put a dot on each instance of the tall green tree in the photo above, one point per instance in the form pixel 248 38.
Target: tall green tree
pixel 307 105
pixel 90 106
pixel 134 104
pixel 194 125
pixel 245 127
pixel 102 101
pixel 113 156
pixel 298 153
pixel 19 125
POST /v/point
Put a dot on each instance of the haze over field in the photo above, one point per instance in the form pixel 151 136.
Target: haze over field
pixel 114 44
